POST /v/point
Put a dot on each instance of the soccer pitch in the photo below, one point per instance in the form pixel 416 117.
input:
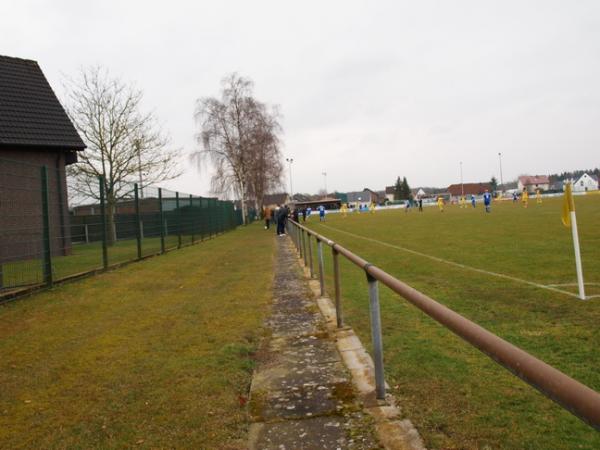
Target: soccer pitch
pixel 511 271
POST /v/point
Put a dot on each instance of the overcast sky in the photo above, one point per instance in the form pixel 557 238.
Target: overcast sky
pixel 369 90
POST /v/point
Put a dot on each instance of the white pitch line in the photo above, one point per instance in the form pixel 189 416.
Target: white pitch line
pixel 452 263
pixel 573 284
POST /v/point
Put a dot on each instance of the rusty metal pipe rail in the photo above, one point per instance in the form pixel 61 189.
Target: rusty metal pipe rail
pixel 569 393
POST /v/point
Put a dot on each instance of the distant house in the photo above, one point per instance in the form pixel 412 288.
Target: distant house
pixel 419 193
pixel 533 183
pixel 35 131
pixel 585 183
pixel 456 190
pixel 364 197
pixel 390 192
pixel 274 200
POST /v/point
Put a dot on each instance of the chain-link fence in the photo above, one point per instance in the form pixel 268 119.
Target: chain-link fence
pixel 44 237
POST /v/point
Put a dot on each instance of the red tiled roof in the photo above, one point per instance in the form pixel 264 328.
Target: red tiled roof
pixel 469 188
pixel 527 180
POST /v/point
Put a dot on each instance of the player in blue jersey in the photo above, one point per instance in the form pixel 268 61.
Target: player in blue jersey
pixel 487 201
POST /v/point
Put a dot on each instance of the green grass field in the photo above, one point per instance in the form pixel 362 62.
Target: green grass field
pixel 152 355
pixel 457 397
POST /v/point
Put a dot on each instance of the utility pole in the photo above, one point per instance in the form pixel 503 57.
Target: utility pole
pixel 325 177
pixel 290 161
pixel 139 155
pixel 501 179
pixel 462 186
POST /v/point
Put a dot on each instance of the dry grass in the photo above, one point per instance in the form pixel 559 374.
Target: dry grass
pixel 154 355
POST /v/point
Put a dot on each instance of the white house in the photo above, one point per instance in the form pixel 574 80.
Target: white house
pixel 533 183
pixel 585 183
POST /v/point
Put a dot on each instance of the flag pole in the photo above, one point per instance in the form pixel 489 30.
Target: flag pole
pixel 577 255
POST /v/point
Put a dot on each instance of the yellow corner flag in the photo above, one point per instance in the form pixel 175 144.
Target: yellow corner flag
pixel 570 220
pixel 568 206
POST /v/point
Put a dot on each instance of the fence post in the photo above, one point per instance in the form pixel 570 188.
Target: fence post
pixel 178 219
pixel 162 221
pixel 87 233
pixel 193 222
pixel 310 259
pixel 209 219
pixel 104 223
pixel 321 267
pixel 336 282
pixel 138 221
pixel 202 220
pixel 376 338
pixel 47 264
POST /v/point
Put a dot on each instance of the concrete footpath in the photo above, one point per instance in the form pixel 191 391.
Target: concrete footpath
pixel 303 396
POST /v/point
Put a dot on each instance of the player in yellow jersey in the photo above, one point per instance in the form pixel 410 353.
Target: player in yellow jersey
pixel 538 197
pixel 440 203
pixel 525 198
pixel 344 210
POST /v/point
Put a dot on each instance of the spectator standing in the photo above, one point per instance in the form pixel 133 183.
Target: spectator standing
pixel 268 214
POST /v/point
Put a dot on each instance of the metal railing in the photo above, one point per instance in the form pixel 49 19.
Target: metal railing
pixel 569 393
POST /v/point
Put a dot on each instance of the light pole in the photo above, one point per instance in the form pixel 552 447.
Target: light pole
pixel 290 161
pixel 325 178
pixel 501 179
pixel 462 186
pixel 139 155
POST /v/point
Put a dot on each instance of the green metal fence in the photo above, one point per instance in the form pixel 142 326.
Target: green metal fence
pixel 46 237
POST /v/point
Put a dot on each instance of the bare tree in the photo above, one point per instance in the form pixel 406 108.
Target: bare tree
pixel 124 145
pixel 266 162
pixel 239 136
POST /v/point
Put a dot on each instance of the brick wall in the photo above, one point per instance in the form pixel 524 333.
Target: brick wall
pixel 21 220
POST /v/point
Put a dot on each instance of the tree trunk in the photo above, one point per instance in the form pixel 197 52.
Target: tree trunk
pixel 244 207
pixel 111 232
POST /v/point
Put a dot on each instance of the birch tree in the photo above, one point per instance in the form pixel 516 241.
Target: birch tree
pixel 239 136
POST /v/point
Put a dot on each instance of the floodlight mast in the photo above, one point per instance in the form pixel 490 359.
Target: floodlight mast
pixel 501 179
pixel 325 177
pixel 290 161
pixel 462 186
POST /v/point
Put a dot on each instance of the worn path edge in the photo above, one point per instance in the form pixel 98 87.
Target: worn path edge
pixel 313 386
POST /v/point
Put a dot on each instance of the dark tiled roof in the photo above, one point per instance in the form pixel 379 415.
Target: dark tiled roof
pixel 30 113
pixel 469 188
pixel 275 199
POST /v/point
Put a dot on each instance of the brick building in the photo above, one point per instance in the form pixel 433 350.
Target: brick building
pixel 35 131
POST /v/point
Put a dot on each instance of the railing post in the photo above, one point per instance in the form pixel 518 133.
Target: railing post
pixel 178 219
pixel 304 252
pixel 321 267
pixel 336 282
pixel 47 261
pixel 162 221
pixel 376 338
pixel 138 221
pixel 104 223
pixel 310 259
pixel 300 242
